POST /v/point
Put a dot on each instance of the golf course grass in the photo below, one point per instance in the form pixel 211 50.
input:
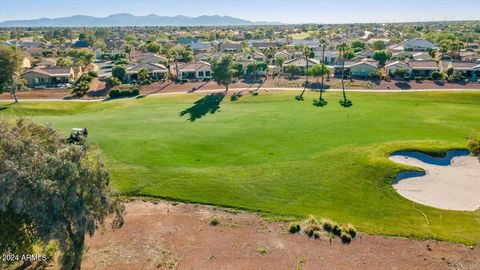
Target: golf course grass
pixel 282 157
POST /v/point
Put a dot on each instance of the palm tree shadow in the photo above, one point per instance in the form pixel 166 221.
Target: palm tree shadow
pixel 6 106
pixel 320 102
pixel 346 103
pixel 208 104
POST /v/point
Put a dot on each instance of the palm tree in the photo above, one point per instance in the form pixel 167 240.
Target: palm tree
pixel 343 48
pixel 307 52
pixel 128 51
pixel 324 43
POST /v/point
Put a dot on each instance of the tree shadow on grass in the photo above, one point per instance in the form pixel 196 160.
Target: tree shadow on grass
pixel 403 85
pixel 208 104
pixel 6 106
pixel 346 103
pixel 320 102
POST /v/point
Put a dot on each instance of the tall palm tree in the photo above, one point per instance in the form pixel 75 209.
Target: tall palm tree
pixel 307 53
pixel 324 43
pixel 343 48
pixel 128 51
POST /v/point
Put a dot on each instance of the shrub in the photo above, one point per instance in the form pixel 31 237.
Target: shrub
pixel 112 81
pixel 350 229
pixel 316 235
pixel 346 238
pixel 263 250
pixel 474 145
pixel 375 75
pixel 436 75
pixel 115 93
pixel 214 222
pixel 418 78
pixel 81 88
pixel 337 230
pixel 294 227
pixel 92 73
pixel 328 225
pixel 456 76
pixel 308 231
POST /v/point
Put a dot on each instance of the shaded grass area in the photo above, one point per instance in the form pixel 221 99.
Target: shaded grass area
pixel 273 154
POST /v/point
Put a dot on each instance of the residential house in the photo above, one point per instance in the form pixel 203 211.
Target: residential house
pixel 248 57
pixel 357 68
pixel 423 68
pixel 151 58
pixel 46 62
pixel 208 56
pixel 415 45
pixel 48 77
pixel 286 55
pixel 261 43
pixel 194 71
pixel 201 46
pixel 390 66
pixel 312 43
pixel 301 63
pixel 231 46
pixel 421 56
pixel 469 70
pixel 156 71
pixel 330 56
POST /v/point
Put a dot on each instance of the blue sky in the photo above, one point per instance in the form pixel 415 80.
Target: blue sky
pixel 286 11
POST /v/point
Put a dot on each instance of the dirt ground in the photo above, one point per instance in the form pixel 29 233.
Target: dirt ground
pixel 166 235
pixel 99 90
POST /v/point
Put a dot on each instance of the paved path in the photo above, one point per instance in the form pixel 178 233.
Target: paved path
pixel 264 89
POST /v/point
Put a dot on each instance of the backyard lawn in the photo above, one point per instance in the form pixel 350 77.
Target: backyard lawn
pixel 282 157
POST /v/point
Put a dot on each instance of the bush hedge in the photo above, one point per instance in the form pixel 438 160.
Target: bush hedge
pixel 115 93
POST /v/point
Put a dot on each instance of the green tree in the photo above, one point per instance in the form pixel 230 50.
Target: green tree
pixel 64 62
pixel 128 50
pixel 81 57
pixel 378 45
pixel 153 47
pixel 381 57
pixel 292 69
pixel 144 77
pixel 223 71
pixel 51 190
pixel 358 44
pixel 10 70
pixel 119 72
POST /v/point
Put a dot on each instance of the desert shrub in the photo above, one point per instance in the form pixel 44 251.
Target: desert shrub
pixel 375 75
pixel 112 81
pixel 474 145
pixel 263 250
pixel 436 75
pixel 294 227
pixel 337 230
pixel 214 222
pixel 115 93
pixel 81 88
pixel 92 73
pixel 312 220
pixel 328 225
pixel 308 231
pixel 456 76
pixel 418 78
pixel 346 238
pixel 350 229
pixel 316 235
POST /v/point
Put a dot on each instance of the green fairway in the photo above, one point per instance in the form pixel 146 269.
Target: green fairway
pixel 277 155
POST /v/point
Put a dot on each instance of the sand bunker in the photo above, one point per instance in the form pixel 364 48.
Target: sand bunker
pixel 451 183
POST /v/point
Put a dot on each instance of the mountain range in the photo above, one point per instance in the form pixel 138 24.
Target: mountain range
pixel 125 19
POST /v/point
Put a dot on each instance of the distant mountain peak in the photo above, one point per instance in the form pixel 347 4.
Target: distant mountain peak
pixel 126 19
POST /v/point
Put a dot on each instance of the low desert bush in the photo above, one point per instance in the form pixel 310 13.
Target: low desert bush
pixel 214 222
pixel 474 145
pixel 115 93
pixel 294 227
pixel 263 250
pixel 346 238
pixel 350 229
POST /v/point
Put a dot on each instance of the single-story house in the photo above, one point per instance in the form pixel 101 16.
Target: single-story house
pixel 286 55
pixel 230 46
pixel 261 43
pixel 201 46
pixel 48 77
pixel 423 68
pixel 300 62
pixel 242 57
pixel 194 71
pixel 418 44
pixel 151 59
pixel 46 62
pixel 207 56
pixel 470 70
pixel 421 56
pixel 393 65
pixel 330 56
pixel 156 71
pixel 358 68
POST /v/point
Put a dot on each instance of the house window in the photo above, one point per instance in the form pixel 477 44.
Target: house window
pixel 200 74
pixel 207 73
